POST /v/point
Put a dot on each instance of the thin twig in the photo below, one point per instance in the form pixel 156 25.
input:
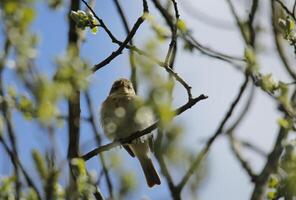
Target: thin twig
pixel 205 17
pixel 195 164
pixel 134 48
pixel 239 23
pixel 270 166
pixel 125 42
pixel 243 113
pixel 74 40
pixel 7 119
pixel 254 148
pixel 279 46
pixel 286 9
pixel 172 46
pixel 245 165
pixel 164 169
pixel 294 8
pixel 187 37
pixel 252 15
pixel 131 53
pixel 18 162
pixel 99 142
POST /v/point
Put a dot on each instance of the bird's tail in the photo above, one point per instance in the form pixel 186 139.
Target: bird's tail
pixel 150 173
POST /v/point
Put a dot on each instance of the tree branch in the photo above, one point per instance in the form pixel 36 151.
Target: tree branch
pixel 99 142
pixel 279 46
pixel 125 42
pixel 175 193
pixel 131 53
pixel 7 119
pixel 195 164
pixel 236 150
pixel 270 166
pixel 16 161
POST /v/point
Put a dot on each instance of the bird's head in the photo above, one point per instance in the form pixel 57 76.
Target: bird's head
pixel 122 87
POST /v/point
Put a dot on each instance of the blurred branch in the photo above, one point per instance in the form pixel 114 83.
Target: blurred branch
pixel 7 119
pixel 270 166
pixel 131 53
pixel 253 148
pixel 272 163
pixel 205 18
pixel 286 109
pixel 243 113
pixel 196 163
pixel 173 44
pixel 214 54
pixel 176 194
pixel 253 11
pixel 16 161
pixel 187 37
pixel 239 23
pixel 13 154
pixel 125 44
pixel 252 15
pixel 74 101
pixel 92 121
pixel 294 8
pixel 291 14
pixel 279 46
pixel 131 34
pixel 235 146
pixel 169 62
pixel 138 134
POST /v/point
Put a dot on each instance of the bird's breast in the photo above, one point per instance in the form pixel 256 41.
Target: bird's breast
pixel 118 117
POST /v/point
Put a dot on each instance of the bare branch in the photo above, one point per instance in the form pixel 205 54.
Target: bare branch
pixel 131 53
pixel 99 142
pixel 16 161
pixel 125 42
pixel 7 118
pixel 279 46
pixel 196 163
pixel 235 146
pixel 270 166
pixel 286 9
pixel 175 192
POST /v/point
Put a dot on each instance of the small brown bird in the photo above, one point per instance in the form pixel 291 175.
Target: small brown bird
pixel 121 115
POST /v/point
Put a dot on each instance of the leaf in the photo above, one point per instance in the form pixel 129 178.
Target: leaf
pixel 40 165
pixel 29 15
pixel 10 7
pixel 289 25
pixel 94 30
pixel 267 83
pixel 271 195
pixel 182 25
pixel 285 123
pixel 273 182
pixel 80 164
pixel 250 56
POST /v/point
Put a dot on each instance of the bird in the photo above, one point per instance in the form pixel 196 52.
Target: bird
pixel 123 113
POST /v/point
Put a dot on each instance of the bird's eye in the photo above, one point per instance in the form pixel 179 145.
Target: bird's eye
pixel 115 87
